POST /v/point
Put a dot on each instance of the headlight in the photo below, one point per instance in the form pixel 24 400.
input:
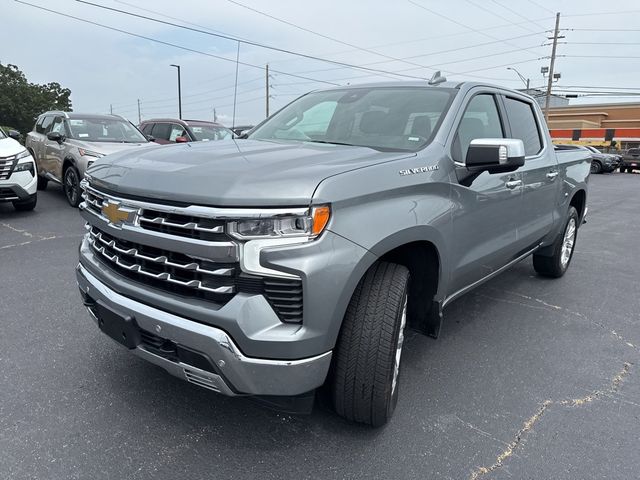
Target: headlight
pixel 23 154
pixel 25 167
pixel 89 153
pixel 310 225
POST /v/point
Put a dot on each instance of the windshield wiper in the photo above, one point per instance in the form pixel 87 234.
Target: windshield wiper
pixel 373 147
pixel 335 143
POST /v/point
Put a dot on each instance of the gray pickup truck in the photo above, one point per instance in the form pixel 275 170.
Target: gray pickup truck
pixel 272 265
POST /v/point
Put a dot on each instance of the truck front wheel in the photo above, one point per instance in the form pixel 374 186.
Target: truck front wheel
pixel 367 358
pixel 556 265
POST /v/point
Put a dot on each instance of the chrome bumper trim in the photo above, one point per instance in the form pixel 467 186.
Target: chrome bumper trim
pixel 245 375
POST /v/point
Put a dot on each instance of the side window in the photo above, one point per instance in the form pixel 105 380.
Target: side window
pixel 176 131
pixel 480 120
pixel 147 128
pixel 38 128
pixel 523 125
pixel 46 124
pixel 162 131
pixel 58 126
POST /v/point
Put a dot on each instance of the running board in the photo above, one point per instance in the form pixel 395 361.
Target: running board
pixel 477 283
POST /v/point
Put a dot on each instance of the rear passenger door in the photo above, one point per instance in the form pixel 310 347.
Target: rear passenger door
pixel 539 174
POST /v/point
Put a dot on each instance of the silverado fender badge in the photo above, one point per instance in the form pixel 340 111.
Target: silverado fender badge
pixel 413 171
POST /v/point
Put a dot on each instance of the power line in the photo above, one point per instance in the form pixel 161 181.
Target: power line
pixel 541 6
pixel 321 35
pixel 599 14
pixel 402 42
pixel 515 12
pixel 601 43
pixel 239 40
pixel 490 12
pixel 453 20
pixel 162 42
pixel 602 29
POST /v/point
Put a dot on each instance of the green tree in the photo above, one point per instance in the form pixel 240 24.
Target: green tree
pixel 21 102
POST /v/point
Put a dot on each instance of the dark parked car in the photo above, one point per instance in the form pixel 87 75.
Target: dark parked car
pixel 630 160
pixel 173 130
pixel 603 162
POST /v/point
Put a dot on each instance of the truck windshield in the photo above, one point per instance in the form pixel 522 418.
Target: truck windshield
pixel 382 118
pixel 104 130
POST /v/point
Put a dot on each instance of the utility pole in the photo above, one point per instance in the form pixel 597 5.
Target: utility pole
pixel 267 88
pixel 139 116
pixel 179 92
pixel 551 64
pixel 111 108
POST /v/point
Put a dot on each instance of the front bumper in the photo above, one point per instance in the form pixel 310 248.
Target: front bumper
pixel 235 374
pixel 19 186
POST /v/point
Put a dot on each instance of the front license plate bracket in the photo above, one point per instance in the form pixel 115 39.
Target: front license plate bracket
pixel 122 328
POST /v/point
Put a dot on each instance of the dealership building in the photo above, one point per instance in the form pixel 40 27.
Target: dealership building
pixel 608 126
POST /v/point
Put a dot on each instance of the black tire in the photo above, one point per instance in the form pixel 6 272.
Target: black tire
pixel 26 205
pixel 71 186
pixel 42 183
pixel 370 345
pixel 596 167
pixel 623 170
pixel 557 264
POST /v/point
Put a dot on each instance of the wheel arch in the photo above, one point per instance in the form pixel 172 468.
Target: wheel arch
pixel 579 202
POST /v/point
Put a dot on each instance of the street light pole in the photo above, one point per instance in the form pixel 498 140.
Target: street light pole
pixel 524 80
pixel 179 92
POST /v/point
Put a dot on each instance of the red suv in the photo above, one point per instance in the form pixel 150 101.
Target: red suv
pixel 173 130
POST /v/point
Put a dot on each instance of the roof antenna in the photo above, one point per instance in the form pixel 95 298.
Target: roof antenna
pixel 437 79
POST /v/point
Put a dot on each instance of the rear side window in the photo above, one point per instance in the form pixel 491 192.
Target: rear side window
pixel 162 131
pixel 523 125
pixel 176 131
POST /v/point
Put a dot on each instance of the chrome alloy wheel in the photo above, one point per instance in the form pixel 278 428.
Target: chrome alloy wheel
pixel 396 365
pixel 568 242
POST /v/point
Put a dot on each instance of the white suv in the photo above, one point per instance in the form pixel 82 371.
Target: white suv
pixel 18 181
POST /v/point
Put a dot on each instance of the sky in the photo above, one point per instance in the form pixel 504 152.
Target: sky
pixel 402 39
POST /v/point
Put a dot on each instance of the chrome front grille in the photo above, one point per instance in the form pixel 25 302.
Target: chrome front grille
pixel 7 165
pixel 164 220
pixel 169 268
pixel 180 250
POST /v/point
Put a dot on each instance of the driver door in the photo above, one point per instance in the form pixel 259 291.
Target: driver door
pixel 54 151
pixel 486 205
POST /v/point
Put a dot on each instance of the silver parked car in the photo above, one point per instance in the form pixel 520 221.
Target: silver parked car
pixel 65 144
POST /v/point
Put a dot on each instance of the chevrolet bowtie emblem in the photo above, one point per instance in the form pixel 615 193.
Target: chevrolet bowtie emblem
pixel 116 213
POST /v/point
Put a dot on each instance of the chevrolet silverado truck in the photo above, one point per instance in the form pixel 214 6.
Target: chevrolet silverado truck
pixel 295 258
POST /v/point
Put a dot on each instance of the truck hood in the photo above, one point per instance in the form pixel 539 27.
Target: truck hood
pixel 231 173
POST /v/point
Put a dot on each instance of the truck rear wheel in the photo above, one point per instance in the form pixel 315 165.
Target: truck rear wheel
pixel 557 264
pixel 367 357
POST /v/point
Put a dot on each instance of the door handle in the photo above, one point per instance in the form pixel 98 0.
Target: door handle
pixel 552 175
pixel 511 184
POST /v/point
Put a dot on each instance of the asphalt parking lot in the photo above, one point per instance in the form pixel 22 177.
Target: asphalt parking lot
pixel 531 378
